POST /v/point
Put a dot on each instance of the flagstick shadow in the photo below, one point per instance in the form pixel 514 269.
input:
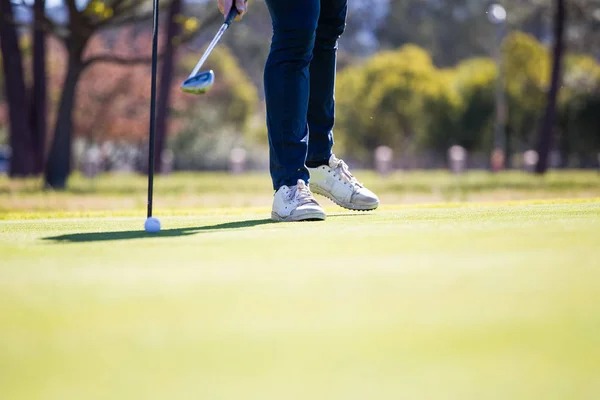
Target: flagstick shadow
pixel 140 234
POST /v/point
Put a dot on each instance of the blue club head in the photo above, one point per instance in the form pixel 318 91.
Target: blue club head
pixel 199 83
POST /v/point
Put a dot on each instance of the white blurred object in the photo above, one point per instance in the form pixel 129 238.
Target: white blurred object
pixel 530 160
pixel 92 159
pixel 237 160
pixel 457 158
pixel 167 160
pixel 496 14
pixel 384 156
pixel 107 148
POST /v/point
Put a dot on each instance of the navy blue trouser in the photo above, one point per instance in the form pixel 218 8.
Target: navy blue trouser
pixel 299 84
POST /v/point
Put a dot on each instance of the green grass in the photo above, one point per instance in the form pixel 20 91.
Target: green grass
pixel 211 190
pixel 496 301
pixel 399 181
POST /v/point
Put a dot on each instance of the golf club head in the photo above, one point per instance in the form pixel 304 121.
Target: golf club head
pixel 199 83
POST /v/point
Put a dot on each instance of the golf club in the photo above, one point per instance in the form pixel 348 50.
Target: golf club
pixel 152 108
pixel 200 83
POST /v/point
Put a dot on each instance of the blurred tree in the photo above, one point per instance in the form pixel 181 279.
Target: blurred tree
pixel 440 107
pixel 1 80
pixel 578 109
pixel 38 98
pixel 16 94
pixel 582 33
pixel 529 16
pixel 474 80
pixel 400 99
pixel 527 74
pixel 547 126
pixel 451 30
pixel 166 79
pixel 396 92
pixel 112 99
pixel 82 25
pixel 3 116
pixel 583 29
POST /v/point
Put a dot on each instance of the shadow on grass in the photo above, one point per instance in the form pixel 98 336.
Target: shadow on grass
pixel 141 234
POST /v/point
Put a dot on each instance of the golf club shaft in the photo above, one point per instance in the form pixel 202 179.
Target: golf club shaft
pixel 230 17
pixel 152 109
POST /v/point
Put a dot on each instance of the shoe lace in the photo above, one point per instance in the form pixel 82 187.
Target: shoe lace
pixel 341 169
pixel 301 193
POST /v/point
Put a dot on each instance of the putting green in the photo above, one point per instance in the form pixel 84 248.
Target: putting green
pixel 481 302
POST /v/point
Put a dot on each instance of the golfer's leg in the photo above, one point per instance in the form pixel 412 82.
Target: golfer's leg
pixel 321 109
pixel 287 87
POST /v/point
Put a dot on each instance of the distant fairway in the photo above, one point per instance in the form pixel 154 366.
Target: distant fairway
pixel 491 301
pixel 125 195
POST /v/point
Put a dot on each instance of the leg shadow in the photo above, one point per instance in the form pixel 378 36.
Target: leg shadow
pixel 141 234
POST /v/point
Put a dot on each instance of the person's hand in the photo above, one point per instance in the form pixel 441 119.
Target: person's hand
pixel 225 7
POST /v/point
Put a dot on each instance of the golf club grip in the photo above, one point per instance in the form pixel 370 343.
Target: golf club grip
pixel 231 16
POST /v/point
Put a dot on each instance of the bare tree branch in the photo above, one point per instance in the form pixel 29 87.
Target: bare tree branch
pixel 132 19
pixel 113 59
pixel 121 7
pixel 46 24
pixel 124 8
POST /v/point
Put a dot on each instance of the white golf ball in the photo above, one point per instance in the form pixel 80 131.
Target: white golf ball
pixel 152 225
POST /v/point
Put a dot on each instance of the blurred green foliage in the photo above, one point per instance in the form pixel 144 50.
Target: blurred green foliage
pixel 385 100
pixel 474 80
pixel 579 104
pixel 400 99
pixel 527 76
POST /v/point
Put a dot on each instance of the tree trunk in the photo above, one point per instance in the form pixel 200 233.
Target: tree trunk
pixel 38 102
pixel 22 160
pixel 508 150
pixel 564 142
pixel 166 79
pixel 546 129
pixel 58 166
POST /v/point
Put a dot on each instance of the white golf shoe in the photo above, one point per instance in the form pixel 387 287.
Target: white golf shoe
pixel 296 203
pixel 335 182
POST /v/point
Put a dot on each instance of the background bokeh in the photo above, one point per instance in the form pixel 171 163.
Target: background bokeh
pixel 415 76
